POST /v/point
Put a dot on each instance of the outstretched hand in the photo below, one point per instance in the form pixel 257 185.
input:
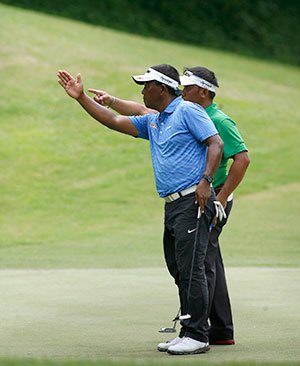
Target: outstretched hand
pixel 73 87
pixel 102 97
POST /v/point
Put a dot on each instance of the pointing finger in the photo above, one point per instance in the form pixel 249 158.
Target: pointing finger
pixel 95 91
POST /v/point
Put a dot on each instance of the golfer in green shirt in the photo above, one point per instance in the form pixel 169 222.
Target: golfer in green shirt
pixel 199 87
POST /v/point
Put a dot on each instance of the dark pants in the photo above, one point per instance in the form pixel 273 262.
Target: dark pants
pixel 219 309
pixel 179 239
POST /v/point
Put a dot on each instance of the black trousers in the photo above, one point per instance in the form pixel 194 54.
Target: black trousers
pixel 179 239
pixel 219 308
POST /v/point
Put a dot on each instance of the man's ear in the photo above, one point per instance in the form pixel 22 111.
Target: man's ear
pixel 204 93
pixel 164 88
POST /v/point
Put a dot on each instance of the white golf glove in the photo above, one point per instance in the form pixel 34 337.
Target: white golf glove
pixel 220 212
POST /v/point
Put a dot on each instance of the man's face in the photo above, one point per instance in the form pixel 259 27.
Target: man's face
pixel 151 93
pixel 191 93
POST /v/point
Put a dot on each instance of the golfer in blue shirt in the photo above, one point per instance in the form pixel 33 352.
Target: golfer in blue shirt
pixel 186 151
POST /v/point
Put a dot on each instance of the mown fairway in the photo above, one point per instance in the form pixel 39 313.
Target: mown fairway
pixel 115 314
pixel 75 196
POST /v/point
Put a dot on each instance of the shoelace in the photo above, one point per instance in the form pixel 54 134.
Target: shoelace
pixel 186 339
pixel 172 340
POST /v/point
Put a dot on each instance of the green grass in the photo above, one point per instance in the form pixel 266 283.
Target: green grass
pixel 263 229
pixel 115 315
pixel 67 183
pixel 75 196
pixel 269 240
pixel 130 363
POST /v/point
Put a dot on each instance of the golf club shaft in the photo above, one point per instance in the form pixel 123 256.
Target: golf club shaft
pixel 193 257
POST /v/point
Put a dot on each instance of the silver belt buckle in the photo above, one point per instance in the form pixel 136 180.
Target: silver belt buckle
pixel 172 197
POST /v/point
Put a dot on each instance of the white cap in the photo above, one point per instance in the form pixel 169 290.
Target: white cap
pixel 152 74
pixel 191 79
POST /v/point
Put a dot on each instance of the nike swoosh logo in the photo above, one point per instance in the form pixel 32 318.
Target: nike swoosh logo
pixel 191 231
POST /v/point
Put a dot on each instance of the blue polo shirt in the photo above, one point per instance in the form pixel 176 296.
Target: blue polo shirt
pixel 176 140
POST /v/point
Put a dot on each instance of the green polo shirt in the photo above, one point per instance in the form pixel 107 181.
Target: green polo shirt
pixel 233 142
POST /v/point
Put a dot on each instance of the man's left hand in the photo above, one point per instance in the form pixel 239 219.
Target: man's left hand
pixel 220 212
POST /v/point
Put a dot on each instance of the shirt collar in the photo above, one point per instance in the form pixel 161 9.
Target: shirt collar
pixel 210 108
pixel 172 106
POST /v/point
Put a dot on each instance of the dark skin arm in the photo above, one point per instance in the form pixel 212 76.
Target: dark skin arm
pixel 236 173
pixel 214 154
pixel 74 89
pixel 124 107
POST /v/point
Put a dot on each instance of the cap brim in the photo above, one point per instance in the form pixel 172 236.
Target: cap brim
pixel 140 79
pixel 185 81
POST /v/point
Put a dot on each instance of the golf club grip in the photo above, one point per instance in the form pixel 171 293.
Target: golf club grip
pixel 199 213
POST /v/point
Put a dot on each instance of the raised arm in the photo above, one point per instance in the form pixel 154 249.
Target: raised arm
pixel 74 89
pixel 124 107
pixel 214 154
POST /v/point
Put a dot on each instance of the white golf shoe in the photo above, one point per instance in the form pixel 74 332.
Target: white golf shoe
pixel 188 346
pixel 163 347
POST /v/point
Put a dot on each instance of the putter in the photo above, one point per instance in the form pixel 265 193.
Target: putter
pixel 188 316
pixel 173 329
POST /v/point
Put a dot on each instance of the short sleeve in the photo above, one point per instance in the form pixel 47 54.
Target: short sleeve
pixel 141 123
pixel 198 122
pixel 233 142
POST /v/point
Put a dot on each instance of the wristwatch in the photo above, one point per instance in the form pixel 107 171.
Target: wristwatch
pixel 209 178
